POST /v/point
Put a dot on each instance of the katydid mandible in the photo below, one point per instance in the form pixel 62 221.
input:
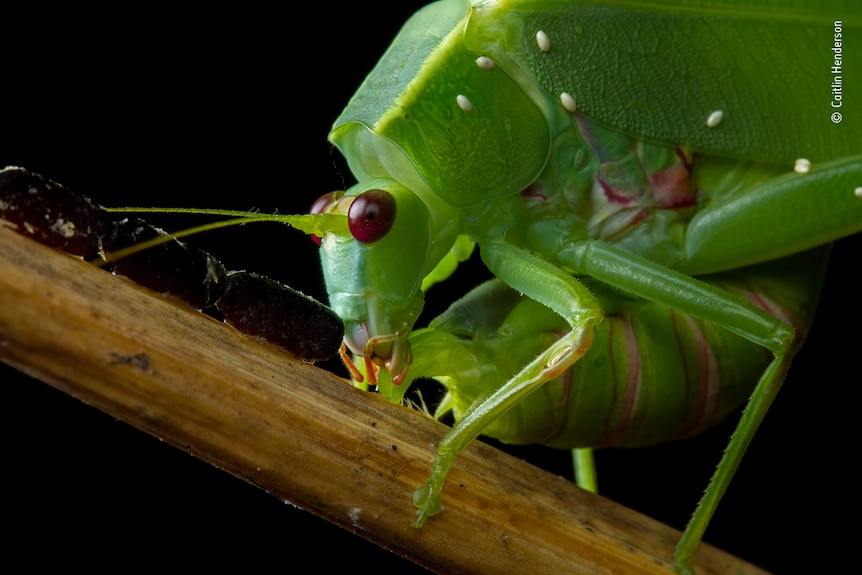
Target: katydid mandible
pixel 559 142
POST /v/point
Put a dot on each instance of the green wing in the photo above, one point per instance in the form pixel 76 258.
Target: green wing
pixel 659 69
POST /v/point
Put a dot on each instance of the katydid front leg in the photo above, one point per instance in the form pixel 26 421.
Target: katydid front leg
pixel 547 284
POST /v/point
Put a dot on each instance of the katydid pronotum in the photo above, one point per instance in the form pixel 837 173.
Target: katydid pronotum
pixel 752 112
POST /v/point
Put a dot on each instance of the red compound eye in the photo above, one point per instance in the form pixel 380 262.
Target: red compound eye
pixel 325 201
pixel 371 215
pixel 322 204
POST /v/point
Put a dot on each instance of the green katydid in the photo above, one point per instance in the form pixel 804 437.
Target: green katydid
pixel 441 125
pixel 684 114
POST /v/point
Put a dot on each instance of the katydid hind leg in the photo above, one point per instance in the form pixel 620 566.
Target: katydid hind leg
pixel 743 227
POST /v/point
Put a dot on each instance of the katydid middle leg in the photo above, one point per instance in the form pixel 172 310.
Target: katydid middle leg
pixel 585 469
pixel 698 299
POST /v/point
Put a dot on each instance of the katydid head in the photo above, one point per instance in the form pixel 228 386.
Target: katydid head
pixel 374 269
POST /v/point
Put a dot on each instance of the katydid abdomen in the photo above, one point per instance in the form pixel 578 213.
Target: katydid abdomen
pixel 651 375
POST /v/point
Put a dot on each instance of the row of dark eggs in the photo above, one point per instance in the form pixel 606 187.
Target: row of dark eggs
pixel 55 216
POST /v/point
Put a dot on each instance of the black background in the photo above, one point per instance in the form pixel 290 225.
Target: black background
pixel 231 109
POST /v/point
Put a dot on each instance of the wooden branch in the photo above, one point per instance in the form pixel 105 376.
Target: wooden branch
pixel 303 434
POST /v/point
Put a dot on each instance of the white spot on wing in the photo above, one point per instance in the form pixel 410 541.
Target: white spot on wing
pixel 464 103
pixel 543 41
pixel 485 63
pixel 802 166
pixel 714 118
pixel 568 102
